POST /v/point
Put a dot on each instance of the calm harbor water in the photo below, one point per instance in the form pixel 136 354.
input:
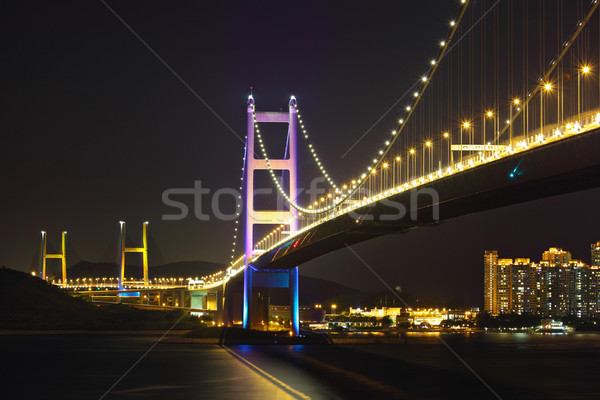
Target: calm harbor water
pixel 427 366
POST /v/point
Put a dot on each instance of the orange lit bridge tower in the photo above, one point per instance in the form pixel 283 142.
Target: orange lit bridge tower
pixel 61 256
pixel 143 250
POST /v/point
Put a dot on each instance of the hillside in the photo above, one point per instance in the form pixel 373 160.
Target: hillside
pixel 27 302
pixel 320 291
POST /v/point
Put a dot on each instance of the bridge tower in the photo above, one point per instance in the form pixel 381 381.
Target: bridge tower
pixel 252 277
pixel 143 250
pixel 62 256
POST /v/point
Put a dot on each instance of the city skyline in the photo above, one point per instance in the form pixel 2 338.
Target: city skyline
pixel 557 285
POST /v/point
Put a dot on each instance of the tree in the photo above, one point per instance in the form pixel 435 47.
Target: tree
pixel 385 322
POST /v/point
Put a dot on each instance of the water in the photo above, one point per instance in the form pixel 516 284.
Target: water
pixel 559 366
pixel 427 366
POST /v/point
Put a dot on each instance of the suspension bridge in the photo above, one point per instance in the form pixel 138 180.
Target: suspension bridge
pixel 506 110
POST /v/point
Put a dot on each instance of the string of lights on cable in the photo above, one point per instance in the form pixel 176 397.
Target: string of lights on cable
pixel 425 80
pixel 271 172
pixel 378 159
pixel 465 97
pixel 238 205
pixel 544 83
pixel 313 152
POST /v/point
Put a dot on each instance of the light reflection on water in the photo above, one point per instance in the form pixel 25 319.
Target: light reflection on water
pixel 562 364
pixel 87 365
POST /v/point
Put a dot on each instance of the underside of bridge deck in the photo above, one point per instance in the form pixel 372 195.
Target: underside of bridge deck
pixel 568 165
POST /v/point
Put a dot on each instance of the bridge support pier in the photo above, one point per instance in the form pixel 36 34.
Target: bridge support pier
pixel 294 302
pixel 226 315
pixel 246 314
pixel 272 279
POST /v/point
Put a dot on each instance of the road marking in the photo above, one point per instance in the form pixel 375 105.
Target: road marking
pixel 268 376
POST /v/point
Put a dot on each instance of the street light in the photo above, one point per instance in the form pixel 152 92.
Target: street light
pixel 510 119
pixel 488 114
pixel 449 138
pixel 546 87
pixel 333 307
pixel 423 161
pixel 465 125
pixel 384 176
pixel 414 162
pixel 585 69
pixel 399 161
pixel 428 144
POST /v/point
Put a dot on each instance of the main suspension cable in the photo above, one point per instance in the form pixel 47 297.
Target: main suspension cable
pixel 311 147
pixel 426 79
pixel 238 204
pixel 554 63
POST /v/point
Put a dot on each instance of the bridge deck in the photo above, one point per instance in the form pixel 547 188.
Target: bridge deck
pixel 568 165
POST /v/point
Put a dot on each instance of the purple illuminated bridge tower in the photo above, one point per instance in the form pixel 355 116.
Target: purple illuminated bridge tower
pixel 288 218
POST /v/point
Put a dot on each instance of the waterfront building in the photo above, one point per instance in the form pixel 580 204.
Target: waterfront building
pixel 594 281
pixel 595 250
pixel 417 316
pixel 522 298
pixel 555 255
pixel 490 262
pixel 557 286
pixel 377 312
pixel 503 285
pixel 509 285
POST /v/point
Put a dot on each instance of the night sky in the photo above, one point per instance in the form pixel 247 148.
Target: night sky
pixel 95 128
